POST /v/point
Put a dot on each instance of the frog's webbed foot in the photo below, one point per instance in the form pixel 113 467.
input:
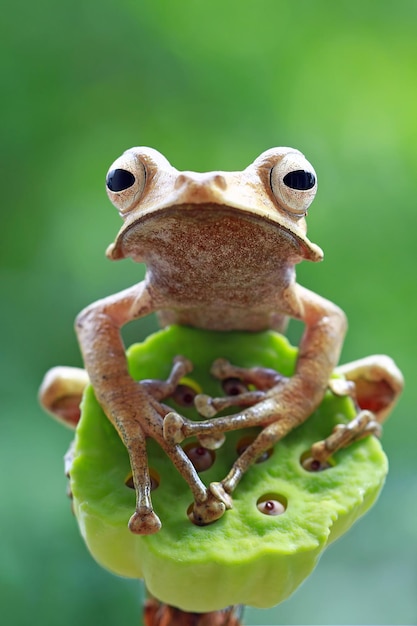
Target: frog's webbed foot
pixel 343 435
pixel 61 392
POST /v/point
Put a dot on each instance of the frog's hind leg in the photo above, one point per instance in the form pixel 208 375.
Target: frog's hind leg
pixel 61 392
pixel 374 383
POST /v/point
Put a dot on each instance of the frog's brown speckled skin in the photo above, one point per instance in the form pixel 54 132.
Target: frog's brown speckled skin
pixel 220 250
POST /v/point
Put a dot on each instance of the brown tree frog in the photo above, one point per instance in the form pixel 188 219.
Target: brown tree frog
pixel 220 250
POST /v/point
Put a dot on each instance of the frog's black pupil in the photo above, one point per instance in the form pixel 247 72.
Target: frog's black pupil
pixel 118 180
pixel 300 179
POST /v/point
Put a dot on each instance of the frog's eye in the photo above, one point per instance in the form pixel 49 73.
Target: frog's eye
pixel 125 181
pixel 294 183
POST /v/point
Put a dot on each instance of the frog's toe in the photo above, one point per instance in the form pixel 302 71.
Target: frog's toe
pixel 204 405
pixel 144 522
pixel 174 428
pixel 219 492
pixel 212 442
pixel 208 511
pixel 220 368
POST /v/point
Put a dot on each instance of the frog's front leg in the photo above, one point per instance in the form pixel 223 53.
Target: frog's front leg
pixel 131 405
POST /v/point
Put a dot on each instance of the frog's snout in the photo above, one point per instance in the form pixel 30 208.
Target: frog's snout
pixel 192 181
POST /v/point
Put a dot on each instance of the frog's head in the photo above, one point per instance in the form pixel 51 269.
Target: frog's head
pixel 275 191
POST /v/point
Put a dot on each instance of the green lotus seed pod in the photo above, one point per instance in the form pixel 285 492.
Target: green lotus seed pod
pixel 282 518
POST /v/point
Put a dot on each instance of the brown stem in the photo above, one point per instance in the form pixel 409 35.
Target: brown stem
pixel 157 613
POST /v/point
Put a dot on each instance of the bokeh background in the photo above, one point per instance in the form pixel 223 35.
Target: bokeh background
pixel 211 85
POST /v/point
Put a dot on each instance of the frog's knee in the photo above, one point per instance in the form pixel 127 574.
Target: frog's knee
pixel 61 392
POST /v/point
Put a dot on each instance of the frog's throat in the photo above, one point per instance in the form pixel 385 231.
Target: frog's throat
pixel 121 248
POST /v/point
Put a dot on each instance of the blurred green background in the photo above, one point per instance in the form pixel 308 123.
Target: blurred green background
pixel 211 85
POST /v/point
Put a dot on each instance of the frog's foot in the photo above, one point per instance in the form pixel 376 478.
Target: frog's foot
pixel 208 510
pixel 377 384
pixel 343 435
pixel 61 392
pixel 144 521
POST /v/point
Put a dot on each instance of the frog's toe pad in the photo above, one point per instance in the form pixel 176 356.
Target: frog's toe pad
pixel 218 490
pixel 208 511
pixel 144 522
pixel 173 428
pixel 204 405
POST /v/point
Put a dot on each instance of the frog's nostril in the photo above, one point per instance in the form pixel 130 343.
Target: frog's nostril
pixel 220 181
pixel 181 181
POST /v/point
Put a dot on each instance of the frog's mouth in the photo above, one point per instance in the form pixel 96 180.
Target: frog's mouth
pixel 216 228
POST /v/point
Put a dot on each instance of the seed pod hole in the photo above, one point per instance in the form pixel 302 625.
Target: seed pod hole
pixel 314 465
pixel 184 395
pixel 272 504
pixel 233 386
pixel 202 458
pixel 245 442
pixel 154 476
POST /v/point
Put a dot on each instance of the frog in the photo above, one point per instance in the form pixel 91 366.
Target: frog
pixel 220 250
